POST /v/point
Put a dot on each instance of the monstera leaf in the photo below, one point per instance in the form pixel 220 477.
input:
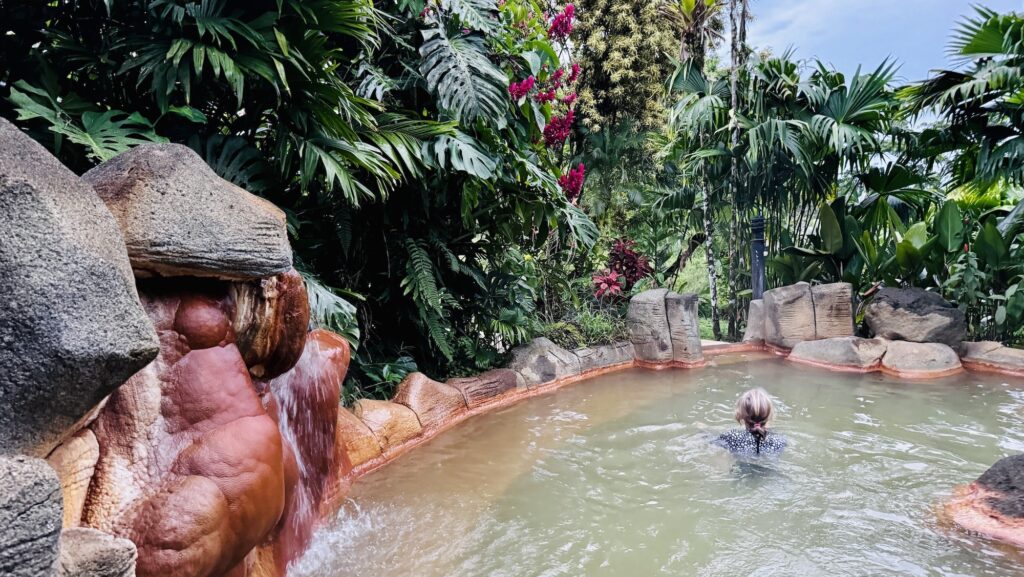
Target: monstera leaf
pixel 467 84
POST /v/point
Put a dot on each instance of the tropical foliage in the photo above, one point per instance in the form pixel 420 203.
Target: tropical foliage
pixel 463 175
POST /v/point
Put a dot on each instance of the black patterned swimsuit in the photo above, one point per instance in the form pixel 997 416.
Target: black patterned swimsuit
pixel 740 442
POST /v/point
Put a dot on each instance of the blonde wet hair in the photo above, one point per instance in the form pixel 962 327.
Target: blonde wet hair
pixel 754 405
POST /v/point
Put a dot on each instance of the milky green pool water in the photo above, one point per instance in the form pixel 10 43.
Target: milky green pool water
pixel 615 477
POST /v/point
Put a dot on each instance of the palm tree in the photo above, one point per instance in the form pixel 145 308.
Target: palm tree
pixel 693 141
pixel 698 24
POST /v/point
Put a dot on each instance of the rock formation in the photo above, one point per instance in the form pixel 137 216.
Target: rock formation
pixel 993 357
pixel 92 553
pixel 602 357
pixel 664 329
pixel 434 403
pixel 71 324
pixel 486 386
pixel 75 462
pixel 920 360
pixel 841 352
pixel 179 218
pixel 30 514
pixel 915 315
pixel 392 424
pixel 542 361
pixel 992 506
pixel 755 322
pixel 800 312
pixel 191 466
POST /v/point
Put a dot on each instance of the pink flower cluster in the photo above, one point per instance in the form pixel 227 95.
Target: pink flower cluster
pixel 572 182
pixel 575 73
pixel 557 131
pixel 522 88
pixel 543 97
pixel 607 284
pixel 561 25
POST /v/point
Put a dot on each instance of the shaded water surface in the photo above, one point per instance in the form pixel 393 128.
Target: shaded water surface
pixel 615 477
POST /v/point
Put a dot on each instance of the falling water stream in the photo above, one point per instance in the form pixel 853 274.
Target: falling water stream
pixel 615 477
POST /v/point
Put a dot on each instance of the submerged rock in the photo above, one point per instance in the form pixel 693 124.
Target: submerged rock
pixel 434 403
pixel 915 315
pixel 179 218
pixel 847 352
pixel 71 324
pixel 542 361
pixel 191 468
pixel 91 553
pixel 992 506
pixel 920 359
pixel 30 515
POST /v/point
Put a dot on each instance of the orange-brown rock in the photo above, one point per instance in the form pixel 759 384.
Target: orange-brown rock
pixel 391 423
pixel 484 387
pixel 434 403
pixel 992 506
pixel 271 320
pixel 356 443
pixel 307 400
pixel 75 462
pixel 191 466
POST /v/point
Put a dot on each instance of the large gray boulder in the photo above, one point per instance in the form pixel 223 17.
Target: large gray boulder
pixel 91 553
pixel 799 312
pixel 684 328
pixel 755 322
pixel 180 218
pixel 30 517
pixel 648 326
pixel 915 315
pixel 908 359
pixel 833 310
pixel 71 325
pixel 845 352
pixel 542 361
pixel 789 315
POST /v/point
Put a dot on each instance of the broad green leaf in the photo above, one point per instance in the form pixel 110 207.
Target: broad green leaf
pixel 990 245
pixel 831 233
pixel 949 225
pixel 188 113
pixel 917 235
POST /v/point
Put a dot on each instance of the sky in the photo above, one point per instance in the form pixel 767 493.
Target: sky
pixel 846 33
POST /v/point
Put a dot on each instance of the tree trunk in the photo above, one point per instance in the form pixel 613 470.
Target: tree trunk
pixel 709 249
pixel 738 30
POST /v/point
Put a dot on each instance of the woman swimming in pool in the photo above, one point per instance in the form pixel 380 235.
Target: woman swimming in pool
pixel 754 410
